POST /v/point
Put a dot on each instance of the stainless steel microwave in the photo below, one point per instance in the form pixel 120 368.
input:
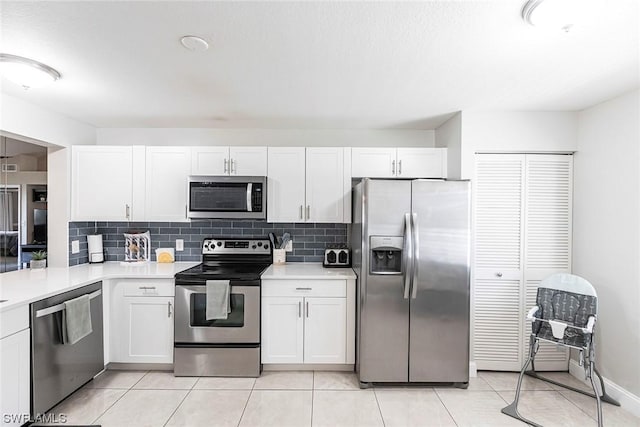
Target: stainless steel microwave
pixel 243 197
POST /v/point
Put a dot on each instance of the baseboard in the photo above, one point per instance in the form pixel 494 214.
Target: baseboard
pixel 308 367
pixel 473 370
pixel 117 366
pixel 628 400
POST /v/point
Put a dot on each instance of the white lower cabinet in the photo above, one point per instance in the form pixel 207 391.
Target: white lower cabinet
pixel 15 378
pixel 305 322
pixel 142 321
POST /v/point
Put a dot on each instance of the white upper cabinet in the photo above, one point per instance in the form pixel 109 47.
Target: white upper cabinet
pixel 209 160
pixel 102 183
pixel 373 162
pixel 286 184
pixel 241 161
pixel 324 184
pixel 167 170
pixel 399 162
pixel 421 162
pixel 248 161
pixel 306 185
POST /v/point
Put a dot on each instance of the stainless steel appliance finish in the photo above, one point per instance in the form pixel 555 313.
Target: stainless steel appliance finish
pixel 411 255
pixel 58 370
pixel 222 347
pixel 227 197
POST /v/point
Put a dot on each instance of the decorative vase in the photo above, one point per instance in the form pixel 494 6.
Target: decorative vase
pixel 38 263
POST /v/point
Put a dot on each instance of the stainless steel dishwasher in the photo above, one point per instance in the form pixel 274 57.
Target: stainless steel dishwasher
pixel 58 370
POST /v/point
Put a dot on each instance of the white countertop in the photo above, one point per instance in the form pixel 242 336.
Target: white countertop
pixel 26 286
pixel 306 270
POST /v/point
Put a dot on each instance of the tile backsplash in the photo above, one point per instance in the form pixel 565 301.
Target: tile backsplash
pixel 309 240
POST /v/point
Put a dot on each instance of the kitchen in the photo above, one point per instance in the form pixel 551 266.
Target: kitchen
pixel 343 90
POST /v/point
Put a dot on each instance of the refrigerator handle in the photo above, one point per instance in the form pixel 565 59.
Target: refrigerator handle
pixel 408 254
pixel 416 255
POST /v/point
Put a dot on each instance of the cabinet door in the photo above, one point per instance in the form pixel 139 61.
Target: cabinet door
pixel 15 377
pixel 373 162
pixel 167 170
pixel 146 331
pixel 421 163
pixel 498 296
pixel 324 184
pixel 282 330
pixel 209 160
pixel 248 161
pixel 285 184
pixel 325 330
pixel 101 183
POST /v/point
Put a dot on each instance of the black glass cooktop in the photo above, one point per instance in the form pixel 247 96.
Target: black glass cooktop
pixel 236 271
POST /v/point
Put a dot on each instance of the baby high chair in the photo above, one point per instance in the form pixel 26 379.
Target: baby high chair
pixel 565 314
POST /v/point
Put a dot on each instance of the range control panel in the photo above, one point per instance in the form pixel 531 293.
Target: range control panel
pixel 235 246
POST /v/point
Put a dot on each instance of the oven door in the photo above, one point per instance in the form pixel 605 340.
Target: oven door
pixel 241 326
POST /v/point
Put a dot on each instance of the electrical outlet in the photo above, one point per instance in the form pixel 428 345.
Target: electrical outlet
pixel 289 247
pixel 75 246
pixel 179 245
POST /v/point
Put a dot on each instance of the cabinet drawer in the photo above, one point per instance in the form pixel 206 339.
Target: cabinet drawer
pixel 14 320
pixel 315 288
pixel 152 288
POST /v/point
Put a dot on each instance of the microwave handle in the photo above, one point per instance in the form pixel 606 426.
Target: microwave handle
pixel 249 191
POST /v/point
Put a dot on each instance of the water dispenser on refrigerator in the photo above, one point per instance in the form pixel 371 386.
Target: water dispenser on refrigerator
pixel 386 254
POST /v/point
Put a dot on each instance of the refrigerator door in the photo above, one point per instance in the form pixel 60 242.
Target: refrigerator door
pixel 439 319
pixel 383 311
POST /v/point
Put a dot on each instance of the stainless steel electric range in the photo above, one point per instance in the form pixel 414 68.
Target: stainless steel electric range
pixel 223 347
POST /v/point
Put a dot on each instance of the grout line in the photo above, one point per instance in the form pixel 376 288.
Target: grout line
pixel 375 396
pixel 445 406
pixel 118 399
pixel 245 406
pixel 177 407
pixel 583 410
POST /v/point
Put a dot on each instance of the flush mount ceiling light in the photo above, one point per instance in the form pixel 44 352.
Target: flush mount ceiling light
pixel 558 14
pixel 194 43
pixel 26 72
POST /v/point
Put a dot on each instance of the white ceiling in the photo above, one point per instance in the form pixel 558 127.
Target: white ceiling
pixel 314 64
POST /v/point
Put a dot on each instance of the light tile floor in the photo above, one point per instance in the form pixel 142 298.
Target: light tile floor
pixel 124 398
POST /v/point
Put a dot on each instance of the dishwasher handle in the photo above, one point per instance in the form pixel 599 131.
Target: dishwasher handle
pixel 59 307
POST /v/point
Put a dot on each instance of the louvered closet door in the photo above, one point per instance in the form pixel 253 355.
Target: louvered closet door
pixel 497 300
pixel 547 237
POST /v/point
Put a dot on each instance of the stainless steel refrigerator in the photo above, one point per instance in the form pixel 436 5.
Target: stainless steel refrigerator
pixel 410 242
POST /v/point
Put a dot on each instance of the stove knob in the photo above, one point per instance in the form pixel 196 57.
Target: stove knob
pixel 259 243
pixel 253 247
pixel 266 246
pixel 218 244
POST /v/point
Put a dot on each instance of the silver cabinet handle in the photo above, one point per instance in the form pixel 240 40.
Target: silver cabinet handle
pixel 304 289
pixel 307 303
pixel 399 167
pixel 499 274
pixel 146 288
pixel 225 165
pixel 300 211
pixel 308 211
pixel 168 308
pixel 127 211
pixel 233 169
pixel 393 167
pixel 299 309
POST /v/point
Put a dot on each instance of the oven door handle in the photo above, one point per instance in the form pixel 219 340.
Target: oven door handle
pixel 203 288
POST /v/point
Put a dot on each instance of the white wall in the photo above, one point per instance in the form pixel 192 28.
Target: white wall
pixel 268 137
pixel 26 121
pixel 606 230
pixel 449 136
pixel 22 120
pixel 515 131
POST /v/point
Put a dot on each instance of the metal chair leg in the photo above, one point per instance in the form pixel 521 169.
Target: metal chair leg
pixel 512 409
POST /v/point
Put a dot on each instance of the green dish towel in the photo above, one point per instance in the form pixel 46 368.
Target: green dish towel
pixel 76 319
